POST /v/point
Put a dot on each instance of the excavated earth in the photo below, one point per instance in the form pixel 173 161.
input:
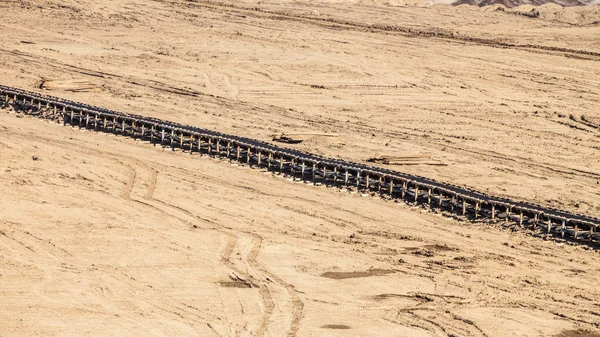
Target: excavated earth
pixel 103 235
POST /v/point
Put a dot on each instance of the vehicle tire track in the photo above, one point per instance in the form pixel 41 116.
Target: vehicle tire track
pixel 251 259
pixel 239 274
pixel 151 185
pixel 433 33
pixel 268 303
pixel 127 195
pixel 298 305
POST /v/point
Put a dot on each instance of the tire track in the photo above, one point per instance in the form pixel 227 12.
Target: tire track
pixel 238 273
pixel 415 135
pixel 249 279
pixel 251 260
pixel 152 185
pixel 127 195
pixel 298 305
pixel 433 33
pixel 176 308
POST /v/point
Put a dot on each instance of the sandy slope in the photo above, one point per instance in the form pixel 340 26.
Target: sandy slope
pixel 102 235
pixel 521 122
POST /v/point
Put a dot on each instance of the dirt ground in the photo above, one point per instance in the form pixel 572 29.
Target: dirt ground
pixel 508 111
pixel 105 236
pixel 102 235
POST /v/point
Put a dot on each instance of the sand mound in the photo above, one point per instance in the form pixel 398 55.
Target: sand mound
pixel 580 16
pixel 549 11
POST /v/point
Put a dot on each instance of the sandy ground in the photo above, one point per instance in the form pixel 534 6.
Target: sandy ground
pixel 105 236
pixel 513 121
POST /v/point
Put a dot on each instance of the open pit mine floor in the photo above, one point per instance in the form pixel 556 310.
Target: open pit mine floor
pixel 444 198
pixel 105 235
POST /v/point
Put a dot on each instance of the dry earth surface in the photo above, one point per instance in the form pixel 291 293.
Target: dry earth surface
pixel 509 102
pixel 103 235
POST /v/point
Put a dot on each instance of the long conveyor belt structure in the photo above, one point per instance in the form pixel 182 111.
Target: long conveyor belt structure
pixel 448 198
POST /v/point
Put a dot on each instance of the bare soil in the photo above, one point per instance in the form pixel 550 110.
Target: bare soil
pixel 340 275
pixel 509 103
pixel 103 235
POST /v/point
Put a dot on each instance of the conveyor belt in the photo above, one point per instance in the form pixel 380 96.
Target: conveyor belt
pixel 304 165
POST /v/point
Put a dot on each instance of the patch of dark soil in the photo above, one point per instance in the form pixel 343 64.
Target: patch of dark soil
pixel 429 250
pixel 440 248
pixel 335 326
pixel 340 275
pixel 465 259
pixel 234 284
pixel 424 252
pixel 449 265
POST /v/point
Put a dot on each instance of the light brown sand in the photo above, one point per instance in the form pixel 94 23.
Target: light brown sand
pixel 106 236
pixel 103 236
pixel 519 122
